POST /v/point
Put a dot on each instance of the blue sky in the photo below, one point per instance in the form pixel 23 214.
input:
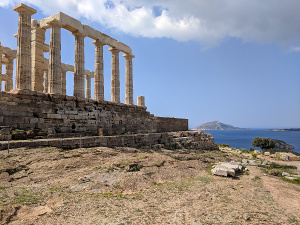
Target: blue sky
pixel 235 61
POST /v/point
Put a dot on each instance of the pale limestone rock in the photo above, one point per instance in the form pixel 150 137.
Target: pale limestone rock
pixel 285 174
pixel 223 171
pixel 226 169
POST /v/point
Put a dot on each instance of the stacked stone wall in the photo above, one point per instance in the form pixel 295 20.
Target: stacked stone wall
pixel 165 124
pixel 58 114
pixel 171 140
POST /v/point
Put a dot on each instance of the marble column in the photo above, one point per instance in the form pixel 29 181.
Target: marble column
pixel 88 87
pixel 128 79
pixel 79 65
pixel 98 77
pixel 23 75
pixel 0 59
pixel 46 81
pixel 37 56
pixel 141 101
pixel 54 69
pixel 9 68
pixel 63 82
pixel 115 75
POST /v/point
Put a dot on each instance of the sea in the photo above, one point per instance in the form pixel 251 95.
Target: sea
pixel 243 138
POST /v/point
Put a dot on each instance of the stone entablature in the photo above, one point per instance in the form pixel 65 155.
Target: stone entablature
pixel 73 25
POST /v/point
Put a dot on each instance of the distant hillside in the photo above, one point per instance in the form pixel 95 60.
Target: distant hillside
pixel 216 125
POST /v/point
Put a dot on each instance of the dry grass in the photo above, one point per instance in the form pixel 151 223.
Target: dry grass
pixel 93 186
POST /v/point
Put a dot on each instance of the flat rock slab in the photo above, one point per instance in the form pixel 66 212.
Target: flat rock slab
pixel 226 169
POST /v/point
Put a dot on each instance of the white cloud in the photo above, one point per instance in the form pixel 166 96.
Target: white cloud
pixel 4 3
pixel 295 49
pixel 208 21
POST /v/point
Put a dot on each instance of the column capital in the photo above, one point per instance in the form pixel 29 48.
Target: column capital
pixel 114 50
pixel 129 56
pixel 98 43
pixel 24 8
pixel 55 22
pixel 9 56
pixel 78 33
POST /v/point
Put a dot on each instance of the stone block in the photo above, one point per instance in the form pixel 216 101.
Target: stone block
pixel 226 169
pixel 223 171
pixel 53 116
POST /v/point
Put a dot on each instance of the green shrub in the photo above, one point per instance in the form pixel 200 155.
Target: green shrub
pixel 254 155
pixel 223 145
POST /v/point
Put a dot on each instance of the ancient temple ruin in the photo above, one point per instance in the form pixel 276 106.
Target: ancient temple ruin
pixel 39 98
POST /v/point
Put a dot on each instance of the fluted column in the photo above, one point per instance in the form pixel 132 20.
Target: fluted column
pixel 46 81
pixel 37 56
pixel 54 71
pixel 115 75
pixel 88 87
pixel 0 59
pixel 63 82
pixel 98 77
pixel 128 79
pixel 23 75
pixel 79 65
pixel 9 68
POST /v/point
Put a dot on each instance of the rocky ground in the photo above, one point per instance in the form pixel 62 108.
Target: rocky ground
pixel 135 186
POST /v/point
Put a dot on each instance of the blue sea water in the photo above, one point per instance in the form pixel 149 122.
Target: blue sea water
pixel 243 138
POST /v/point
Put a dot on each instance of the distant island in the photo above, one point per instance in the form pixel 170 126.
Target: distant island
pixel 217 125
pixel 291 129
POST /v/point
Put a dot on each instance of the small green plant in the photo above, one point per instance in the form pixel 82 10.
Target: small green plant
pixel 110 169
pixel 134 167
pixel 150 173
pixel 25 197
pixel 246 172
pixel 243 150
pixel 294 181
pixel 210 168
pixel 256 178
pixel 223 145
pixel 254 155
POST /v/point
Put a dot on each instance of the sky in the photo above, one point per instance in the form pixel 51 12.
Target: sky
pixel 236 61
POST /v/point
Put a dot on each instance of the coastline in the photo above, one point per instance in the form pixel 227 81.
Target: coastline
pixel 243 138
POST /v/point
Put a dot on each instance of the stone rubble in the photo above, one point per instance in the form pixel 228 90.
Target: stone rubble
pixel 227 169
